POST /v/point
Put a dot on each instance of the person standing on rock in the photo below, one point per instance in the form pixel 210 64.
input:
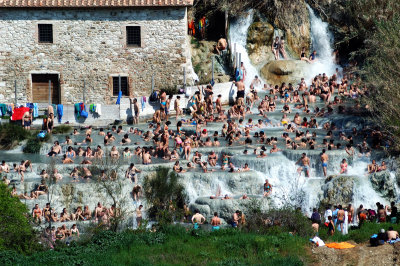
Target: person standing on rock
pixel 340 218
pixel 282 48
pixel 139 216
pixel 242 72
pixel 275 47
pixel 324 160
pixel 215 222
pixel 235 218
pixel 240 92
pixel 304 163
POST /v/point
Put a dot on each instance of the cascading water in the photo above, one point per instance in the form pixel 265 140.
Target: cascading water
pixel 321 40
pixel 238 35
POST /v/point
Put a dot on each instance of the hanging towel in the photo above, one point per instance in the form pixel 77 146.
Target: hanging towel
pixel 98 109
pixel 91 109
pixel 60 112
pixel 77 110
pixel 143 101
pixel 119 97
pixel 3 108
pixel 19 113
pixel 35 110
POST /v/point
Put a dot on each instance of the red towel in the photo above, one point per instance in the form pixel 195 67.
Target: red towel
pixel 19 113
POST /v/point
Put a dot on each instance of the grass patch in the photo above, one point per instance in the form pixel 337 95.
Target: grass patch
pixel 173 245
pixel 62 129
pixel 11 134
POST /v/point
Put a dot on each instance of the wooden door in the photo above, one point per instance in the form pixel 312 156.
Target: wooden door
pixel 40 88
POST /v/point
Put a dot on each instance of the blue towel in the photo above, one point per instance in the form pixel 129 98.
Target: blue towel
pixel 35 110
pixel 119 97
pixel 60 112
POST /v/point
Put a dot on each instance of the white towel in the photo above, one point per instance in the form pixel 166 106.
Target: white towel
pixel 98 109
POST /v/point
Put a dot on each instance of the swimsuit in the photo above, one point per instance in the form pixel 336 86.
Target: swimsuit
pixel 215 228
pixel 325 164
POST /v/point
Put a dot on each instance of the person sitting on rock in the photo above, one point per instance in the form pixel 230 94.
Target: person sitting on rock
pixel 221 45
pixel 303 55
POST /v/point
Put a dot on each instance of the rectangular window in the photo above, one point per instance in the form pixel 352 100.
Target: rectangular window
pixel 133 37
pixel 124 86
pixel 45 33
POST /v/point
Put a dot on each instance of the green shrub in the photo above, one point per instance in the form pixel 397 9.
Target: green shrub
pixel 165 196
pixel 16 232
pixel 62 129
pixel 32 146
pixel 11 134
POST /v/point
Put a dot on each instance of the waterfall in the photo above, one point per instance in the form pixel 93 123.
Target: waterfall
pixel 238 35
pixel 321 40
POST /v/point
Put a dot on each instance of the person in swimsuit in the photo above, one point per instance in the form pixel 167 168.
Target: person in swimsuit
pixel 275 47
pixel 74 231
pixel 197 219
pixel 304 163
pixel 331 226
pixel 303 55
pixel 343 167
pixel 215 222
pixel 139 216
pixel 340 217
pixel 267 188
pixel 313 57
pixel 50 123
pixel 225 161
pixel 27 119
pixel 37 213
pixel 131 173
pixel 324 161
pixel 282 48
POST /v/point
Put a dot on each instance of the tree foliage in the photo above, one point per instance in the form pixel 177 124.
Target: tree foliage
pixel 381 72
pixel 16 233
pixel 165 195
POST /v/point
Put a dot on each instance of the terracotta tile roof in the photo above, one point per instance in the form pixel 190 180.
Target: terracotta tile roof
pixel 95 3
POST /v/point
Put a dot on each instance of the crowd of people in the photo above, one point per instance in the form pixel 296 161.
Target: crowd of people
pixel 339 218
pixel 179 143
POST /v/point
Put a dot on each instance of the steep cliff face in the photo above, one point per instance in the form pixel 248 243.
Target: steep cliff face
pixel 287 19
pixel 291 16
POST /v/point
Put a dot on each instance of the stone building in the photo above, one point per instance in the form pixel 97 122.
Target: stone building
pixel 91 47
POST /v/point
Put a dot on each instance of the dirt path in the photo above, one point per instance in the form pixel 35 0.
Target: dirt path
pixel 362 254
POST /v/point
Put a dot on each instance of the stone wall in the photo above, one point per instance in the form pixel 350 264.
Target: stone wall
pixel 90 45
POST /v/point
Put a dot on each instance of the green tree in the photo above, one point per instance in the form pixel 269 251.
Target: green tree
pixel 165 195
pixel 16 233
pixel 381 72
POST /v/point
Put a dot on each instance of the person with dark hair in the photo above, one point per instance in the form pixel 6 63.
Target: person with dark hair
pixel 331 226
pixel 215 222
pixel 393 214
pixel 316 220
pixel 235 218
pixel 324 160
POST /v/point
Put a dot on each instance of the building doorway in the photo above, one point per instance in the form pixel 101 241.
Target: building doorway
pixel 40 88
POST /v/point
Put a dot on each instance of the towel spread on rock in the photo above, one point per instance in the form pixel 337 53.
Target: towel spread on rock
pixel 341 245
